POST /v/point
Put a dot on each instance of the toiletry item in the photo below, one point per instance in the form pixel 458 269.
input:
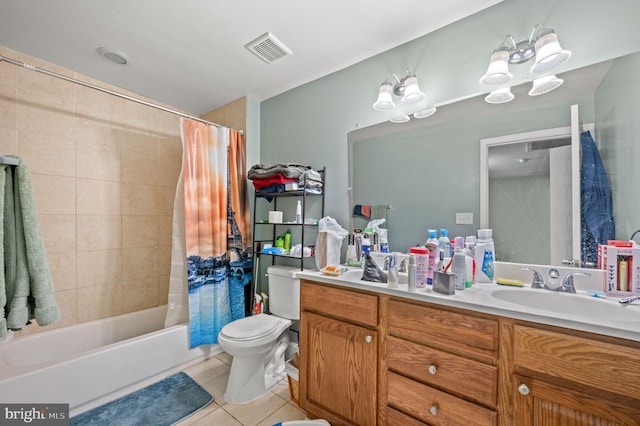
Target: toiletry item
pixel 444 283
pixel 432 244
pixel 258 305
pixel 509 282
pixel 444 242
pixel 411 272
pixel 470 248
pixel 352 257
pixel 280 242
pixel 469 269
pixel 392 276
pixel 287 241
pixel 275 216
pixel 366 244
pixel 485 255
pixel 422 265
pixel 299 212
pixel 623 274
pixel 459 264
pixel 440 267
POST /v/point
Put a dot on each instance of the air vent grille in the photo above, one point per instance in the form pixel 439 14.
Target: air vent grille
pixel 268 48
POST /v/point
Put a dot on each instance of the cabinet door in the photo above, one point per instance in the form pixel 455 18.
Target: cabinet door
pixel 341 370
pixel 540 403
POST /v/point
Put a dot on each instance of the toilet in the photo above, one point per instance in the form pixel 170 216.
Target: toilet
pixel 258 343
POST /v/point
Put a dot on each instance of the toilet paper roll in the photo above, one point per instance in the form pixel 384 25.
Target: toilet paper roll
pixel 275 217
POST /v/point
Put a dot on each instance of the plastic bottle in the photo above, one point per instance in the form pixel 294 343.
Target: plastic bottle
pixel 422 265
pixel 287 241
pixel 444 242
pixel 299 212
pixel 623 271
pixel 459 263
pixel 366 244
pixel 440 267
pixel 485 256
pixel 432 244
pixel 411 272
pixel 470 249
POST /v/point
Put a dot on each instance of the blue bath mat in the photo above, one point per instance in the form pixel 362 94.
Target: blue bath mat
pixel 163 403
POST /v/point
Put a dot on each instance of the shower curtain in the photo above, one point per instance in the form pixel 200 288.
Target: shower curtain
pixel 212 255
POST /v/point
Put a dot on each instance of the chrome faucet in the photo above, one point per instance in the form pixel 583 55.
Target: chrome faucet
pixel 566 286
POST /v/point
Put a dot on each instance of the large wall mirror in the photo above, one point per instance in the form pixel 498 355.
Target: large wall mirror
pixel 428 170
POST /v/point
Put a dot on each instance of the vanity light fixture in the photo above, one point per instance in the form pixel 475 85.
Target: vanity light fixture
pixel 542 45
pixel 500 96
pixel 408 90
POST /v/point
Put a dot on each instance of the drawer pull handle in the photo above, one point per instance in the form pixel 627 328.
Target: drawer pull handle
pixel 524 389
pixel 432 369
pixel 368 339
pixel 433 410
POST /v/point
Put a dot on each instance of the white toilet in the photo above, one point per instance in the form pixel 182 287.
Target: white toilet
pixel 258 343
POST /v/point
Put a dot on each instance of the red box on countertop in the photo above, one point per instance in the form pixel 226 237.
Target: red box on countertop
pixel 621 269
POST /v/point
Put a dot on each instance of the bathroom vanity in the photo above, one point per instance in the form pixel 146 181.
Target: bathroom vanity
pixel 370 355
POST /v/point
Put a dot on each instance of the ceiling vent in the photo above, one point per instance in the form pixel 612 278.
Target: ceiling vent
pixel 268 48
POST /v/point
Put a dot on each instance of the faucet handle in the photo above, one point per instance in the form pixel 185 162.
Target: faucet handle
pixel 537 282
pixel 567 283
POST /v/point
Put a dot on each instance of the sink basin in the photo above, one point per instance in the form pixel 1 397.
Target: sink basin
pixel 569 304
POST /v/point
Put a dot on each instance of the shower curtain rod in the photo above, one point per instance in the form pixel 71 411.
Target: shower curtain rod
pixel 111 92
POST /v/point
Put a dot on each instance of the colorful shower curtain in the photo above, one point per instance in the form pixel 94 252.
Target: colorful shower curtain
pixel 216 229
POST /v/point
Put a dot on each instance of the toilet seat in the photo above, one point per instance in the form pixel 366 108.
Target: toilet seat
pixel 253 327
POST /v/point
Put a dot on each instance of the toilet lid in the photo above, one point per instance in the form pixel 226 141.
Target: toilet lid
pixel 251 327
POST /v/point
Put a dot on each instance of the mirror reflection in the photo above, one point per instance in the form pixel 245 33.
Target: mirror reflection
pixel 429 170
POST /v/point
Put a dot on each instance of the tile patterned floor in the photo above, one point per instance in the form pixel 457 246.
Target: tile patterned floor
pixel 212 374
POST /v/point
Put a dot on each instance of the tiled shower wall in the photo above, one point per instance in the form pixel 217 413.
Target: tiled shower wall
pixel 104 173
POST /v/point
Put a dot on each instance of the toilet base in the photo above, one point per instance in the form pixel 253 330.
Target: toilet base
pixel 253 376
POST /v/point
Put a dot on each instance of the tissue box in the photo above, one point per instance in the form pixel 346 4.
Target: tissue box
pixel 622 269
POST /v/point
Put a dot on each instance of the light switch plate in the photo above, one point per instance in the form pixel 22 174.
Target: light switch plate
pixel 464 218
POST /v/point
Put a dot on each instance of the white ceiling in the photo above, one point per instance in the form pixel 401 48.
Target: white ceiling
pixel 190 53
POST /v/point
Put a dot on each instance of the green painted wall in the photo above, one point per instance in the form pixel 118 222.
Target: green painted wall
pixel 310 124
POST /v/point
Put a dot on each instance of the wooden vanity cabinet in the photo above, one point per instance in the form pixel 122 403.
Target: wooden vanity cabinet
pixel 441 366
pixel 578 379
pixel 338 354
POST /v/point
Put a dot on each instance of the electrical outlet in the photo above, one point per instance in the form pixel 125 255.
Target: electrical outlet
pixel 464 218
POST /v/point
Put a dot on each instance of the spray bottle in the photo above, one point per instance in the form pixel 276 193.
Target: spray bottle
pixel 459 263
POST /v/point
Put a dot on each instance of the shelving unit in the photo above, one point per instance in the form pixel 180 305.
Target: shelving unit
pixel 307 232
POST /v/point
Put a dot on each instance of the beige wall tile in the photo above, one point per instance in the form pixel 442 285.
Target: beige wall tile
pixel 54 194
pixel 98 152
pixel 42 113
pixel 165 231
pixel 99 302
pixel 140 166
pixel 166 200
pixel 48 153
pixel 139 263
pixel 163 289
pixel 7 98
pixel 58 232
pixel 98 197
pixel 139 231
pixel 169 161
pixel 99 267
pixel 8 139
pixel 96 106
pixel 139 199
pixel 164 260
pixel 63 270
pixel 68 302
pixel 99 232
pixel 139 294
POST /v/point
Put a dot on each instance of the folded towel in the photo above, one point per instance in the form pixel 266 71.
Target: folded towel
pixel 27 282
pixel 290 170
pixel 363 210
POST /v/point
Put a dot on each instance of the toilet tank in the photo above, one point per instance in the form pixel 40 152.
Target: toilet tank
pixel 284 291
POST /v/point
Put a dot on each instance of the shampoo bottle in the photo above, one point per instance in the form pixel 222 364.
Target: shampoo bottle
pixel 287 241
pixel 444 242
pixel 459 263
pixel 432 245
pixel 485 255
pixel 299 212
pixel 411 272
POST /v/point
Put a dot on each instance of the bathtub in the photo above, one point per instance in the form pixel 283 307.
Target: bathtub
pixel 88 364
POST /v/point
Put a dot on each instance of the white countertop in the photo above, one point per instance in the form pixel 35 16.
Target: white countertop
pixel 480 298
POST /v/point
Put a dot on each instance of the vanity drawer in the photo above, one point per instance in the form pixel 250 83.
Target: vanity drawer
pixel 439 327
pixel 361 308
pixel 602 365
pixel 463 376
pixel 433 406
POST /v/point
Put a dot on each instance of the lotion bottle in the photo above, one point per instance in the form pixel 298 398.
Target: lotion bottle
pixel 459 263
pixel 432 244
pixel 411 270
pixel 299 212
